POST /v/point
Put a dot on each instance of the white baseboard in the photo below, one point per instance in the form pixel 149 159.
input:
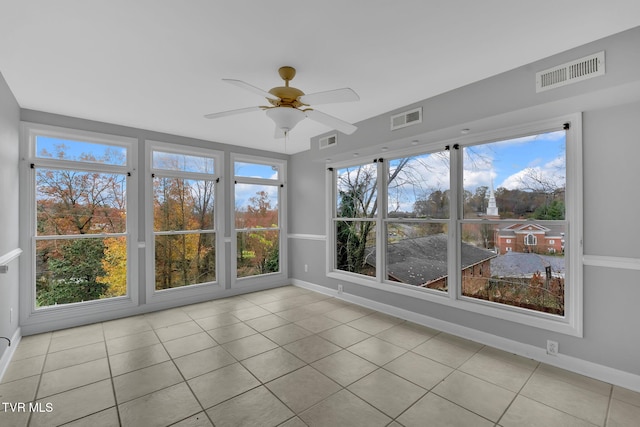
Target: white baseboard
pixel 569 363
pixel 8 353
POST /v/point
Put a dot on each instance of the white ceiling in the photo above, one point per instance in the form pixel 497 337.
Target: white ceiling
pixel 158 64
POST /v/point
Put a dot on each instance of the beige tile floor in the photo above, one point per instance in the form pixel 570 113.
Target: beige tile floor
pixel 291 357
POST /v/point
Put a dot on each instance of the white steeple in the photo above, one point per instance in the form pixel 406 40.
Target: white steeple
pixel 492 209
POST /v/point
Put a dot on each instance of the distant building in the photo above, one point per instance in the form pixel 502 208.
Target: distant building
pixel 422 261
pixel 529 238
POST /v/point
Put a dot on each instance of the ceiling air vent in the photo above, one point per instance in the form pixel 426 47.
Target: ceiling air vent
pixel 407 118
pixel 571 72
pixel 329 141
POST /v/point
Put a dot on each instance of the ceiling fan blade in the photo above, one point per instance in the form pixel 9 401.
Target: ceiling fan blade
pixel 332 122
pixel 330 96
pixel 252 88
pixel 232 112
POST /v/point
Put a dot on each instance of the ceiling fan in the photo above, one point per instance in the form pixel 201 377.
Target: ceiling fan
pixel 288 104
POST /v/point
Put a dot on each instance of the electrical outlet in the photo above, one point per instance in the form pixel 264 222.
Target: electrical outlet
pixel 11 315
pixel 306 268
pixel 339 289
pixel 552 348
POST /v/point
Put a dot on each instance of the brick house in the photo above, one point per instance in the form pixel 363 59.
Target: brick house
pixel 529 238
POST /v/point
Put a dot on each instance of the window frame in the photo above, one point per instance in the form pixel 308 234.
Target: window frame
pixel 199 289
pixel 280 183
pixel 29 163
pixel 572 321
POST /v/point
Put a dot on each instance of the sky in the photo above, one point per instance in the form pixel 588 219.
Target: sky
pixel 47 147
pixel 512 164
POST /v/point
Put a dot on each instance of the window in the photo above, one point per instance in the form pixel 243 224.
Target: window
pixel 355 225
pixel 436 223
pixel 257 216
pixel 418 192
pixel 81 199
pixel 184 216
pixel 530 201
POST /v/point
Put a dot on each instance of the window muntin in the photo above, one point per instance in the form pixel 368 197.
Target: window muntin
pixel 80 205
pixel 184 206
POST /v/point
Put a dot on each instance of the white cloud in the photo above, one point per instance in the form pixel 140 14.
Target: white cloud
pixel 547 176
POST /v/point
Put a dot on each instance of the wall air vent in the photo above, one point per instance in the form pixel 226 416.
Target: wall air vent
pixel 571 72
pixel 407 118
pixel 329 141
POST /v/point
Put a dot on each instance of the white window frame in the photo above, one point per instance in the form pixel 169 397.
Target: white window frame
pixel 268 278
pixel 199 290
pixel 530 240
pixel 89 310
pixel 572 321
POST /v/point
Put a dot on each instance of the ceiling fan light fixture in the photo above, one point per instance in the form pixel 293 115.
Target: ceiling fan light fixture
pixel 285 118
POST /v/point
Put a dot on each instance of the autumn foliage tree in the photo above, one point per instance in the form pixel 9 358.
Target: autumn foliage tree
pixel 258 247
pixel 77 203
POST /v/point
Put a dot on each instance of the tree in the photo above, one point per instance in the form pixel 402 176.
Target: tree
pixel 114 264
pixel 358 200
pixel 553 211
pixel 258 248
pixel 75 202
pixel 183 205
pixel 73 276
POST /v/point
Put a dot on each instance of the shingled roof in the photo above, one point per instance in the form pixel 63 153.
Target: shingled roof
pixel 421 260
pixel 515 264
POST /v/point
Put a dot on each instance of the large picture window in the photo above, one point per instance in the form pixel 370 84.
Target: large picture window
pixel 483 222
pixel 526 207
pixel 80 231
pixel 257 216
pixel 184 216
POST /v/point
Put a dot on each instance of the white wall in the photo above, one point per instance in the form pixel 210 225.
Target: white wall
pixel 611 149
pixel 9 137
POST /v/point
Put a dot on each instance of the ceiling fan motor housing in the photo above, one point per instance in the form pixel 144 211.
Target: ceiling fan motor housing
pixel 288 96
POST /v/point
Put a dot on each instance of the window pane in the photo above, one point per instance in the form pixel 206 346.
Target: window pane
pixel 516 178
pixel 256 170
pixel 515 263
pixel 356 192
pixel 256 206
pixel 183 204
pixel 81 151
pixel 182 162
pixel 418 186
pixel 77 202
pixel 417 254
pixel 76 270
pixel 185 259
pixel 356 247
pixel 258 252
